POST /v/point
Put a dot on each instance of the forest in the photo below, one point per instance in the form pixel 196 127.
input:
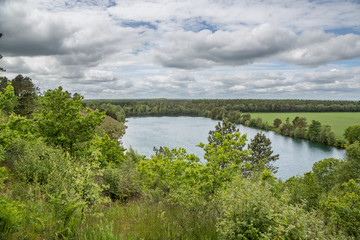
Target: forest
pixel 238 111
pixel 65 175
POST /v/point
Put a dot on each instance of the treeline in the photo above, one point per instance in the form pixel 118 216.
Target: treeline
pixel 235 111
pixel 297 128
pixel 216 108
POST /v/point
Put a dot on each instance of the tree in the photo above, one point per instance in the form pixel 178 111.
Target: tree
pixel 62 123
pixel 353 154
pixel 224 128
pixel 6 95
pixel 26 92
pixel 261 156
pixel 225 160
pixel 343 209
pixel 324 171
pixel 23 84
pixel 244 118
pixel 299 122
pixel 277 122
pixel 1 69
pixel 352 133
pixel 326 135
pixel 3 83
pixel 313 132
pixel 107 151
pixel 286 128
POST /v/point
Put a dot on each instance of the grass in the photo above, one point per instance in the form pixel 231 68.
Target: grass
pixel 338 121
pixel 146 220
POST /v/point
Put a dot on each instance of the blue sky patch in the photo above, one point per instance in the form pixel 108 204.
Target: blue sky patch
pixel 343 31
pixel 136 24
pixel 198 24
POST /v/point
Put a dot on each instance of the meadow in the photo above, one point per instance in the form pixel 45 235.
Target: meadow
pixel 338 121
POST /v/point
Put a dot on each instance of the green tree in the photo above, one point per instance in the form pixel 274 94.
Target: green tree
pixel 244 118
pixel 277 122
pixel 21 84
pixel 325 172
pixel 261 156
pixel 304 189
pixel 326 135
pixel 225 127
pixel 226 160
pixel 106 151
pixel 299 122
pixel 352 133
pixel 343 209
pixel 1 69
pixel 353 154
pixel 4 81
pixel 313 132
pixel 224 132
pixel 26 93
pixel 6 95
pixel 286 128
pixel 63 123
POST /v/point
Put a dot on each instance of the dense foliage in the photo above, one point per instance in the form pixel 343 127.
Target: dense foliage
pixel 237 111
pixel 217 107
pixel 62 176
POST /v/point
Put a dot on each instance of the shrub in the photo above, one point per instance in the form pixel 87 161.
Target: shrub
pixel 33 160
pixel 106 151
pixel 248 210
pixel 121 183
pixel 343 210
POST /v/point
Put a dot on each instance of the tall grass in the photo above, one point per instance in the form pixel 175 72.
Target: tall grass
pixel 148 220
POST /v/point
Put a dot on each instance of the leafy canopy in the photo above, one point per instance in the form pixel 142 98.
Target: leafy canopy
pixel 63 123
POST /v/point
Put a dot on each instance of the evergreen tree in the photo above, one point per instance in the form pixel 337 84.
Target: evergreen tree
pixel 1 69
pixel 224 128
pixel 262 155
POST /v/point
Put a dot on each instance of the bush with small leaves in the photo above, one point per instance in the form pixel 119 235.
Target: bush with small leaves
pixel 249 210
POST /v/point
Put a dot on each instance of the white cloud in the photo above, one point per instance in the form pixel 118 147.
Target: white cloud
pixel 323 49
pixel 192 49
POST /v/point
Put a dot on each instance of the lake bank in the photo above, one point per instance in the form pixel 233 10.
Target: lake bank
pixel 296 156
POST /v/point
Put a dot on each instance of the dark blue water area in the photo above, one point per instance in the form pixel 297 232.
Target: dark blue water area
pixel 296 156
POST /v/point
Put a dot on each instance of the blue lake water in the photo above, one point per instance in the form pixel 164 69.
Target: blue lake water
pixel 296 156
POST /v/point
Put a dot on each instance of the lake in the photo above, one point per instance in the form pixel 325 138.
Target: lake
pixel 296 156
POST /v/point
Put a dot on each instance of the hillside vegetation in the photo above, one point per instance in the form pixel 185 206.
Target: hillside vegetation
pixel 64 176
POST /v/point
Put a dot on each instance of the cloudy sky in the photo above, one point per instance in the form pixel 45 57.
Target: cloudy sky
pixel 273 49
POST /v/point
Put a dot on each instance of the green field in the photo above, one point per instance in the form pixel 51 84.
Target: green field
pixel 337 120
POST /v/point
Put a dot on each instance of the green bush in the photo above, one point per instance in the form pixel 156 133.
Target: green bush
pixel 33 160
pixel 121 183
pixel 342 209
pixel 73 192
pixel 248 210
pixel 106 151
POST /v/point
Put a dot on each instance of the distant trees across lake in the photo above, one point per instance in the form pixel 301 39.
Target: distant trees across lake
pixel 237 111
pixel 216 108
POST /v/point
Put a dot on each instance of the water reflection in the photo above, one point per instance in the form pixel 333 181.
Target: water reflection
pixel 296 156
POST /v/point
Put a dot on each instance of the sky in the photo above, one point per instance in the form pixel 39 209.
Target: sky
pixel 191 49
